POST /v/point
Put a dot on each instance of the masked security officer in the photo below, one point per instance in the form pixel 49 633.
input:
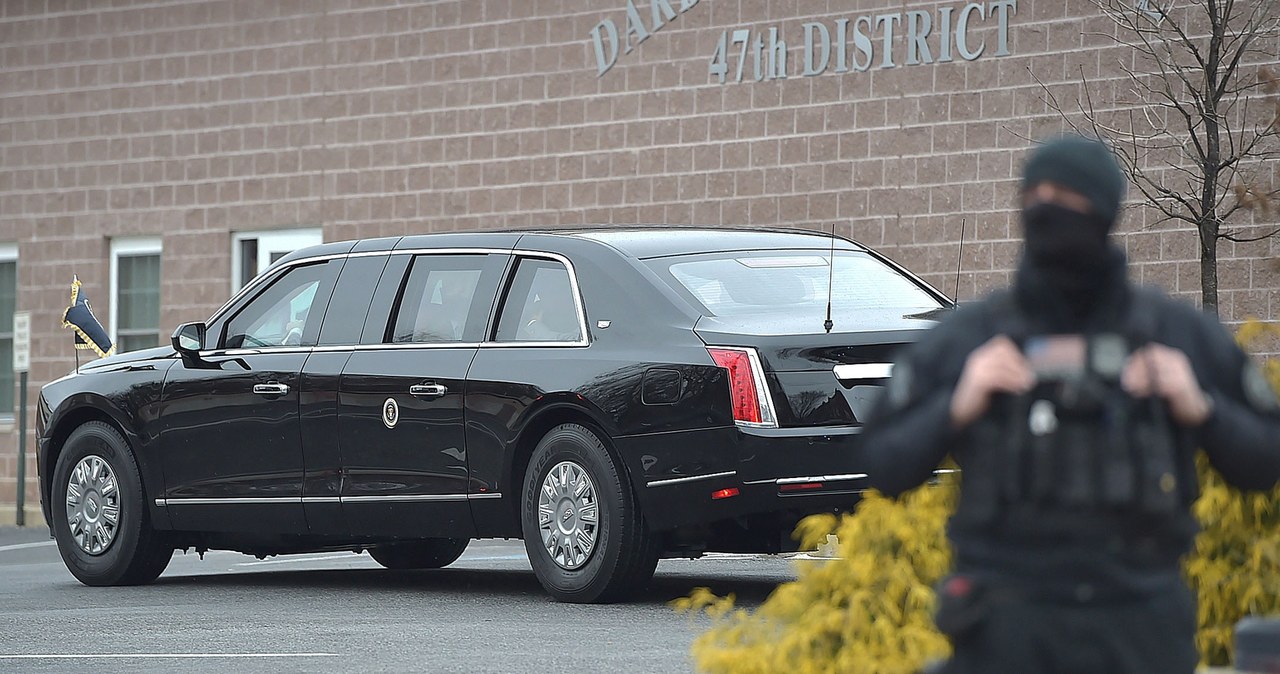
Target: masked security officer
pixel 1073 403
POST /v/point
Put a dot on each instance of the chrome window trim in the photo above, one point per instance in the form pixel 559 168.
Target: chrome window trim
pixel 578 304
pixel 322 499
pixel 263 278
pixel 691 478
pixel 256 351
pixel 863 371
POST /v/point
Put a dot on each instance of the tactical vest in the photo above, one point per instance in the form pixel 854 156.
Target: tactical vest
pixel 1077 443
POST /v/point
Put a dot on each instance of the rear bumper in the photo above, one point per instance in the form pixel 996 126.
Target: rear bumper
pixel 786 472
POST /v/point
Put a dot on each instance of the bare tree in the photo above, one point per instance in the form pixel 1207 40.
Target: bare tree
pixel 1196 122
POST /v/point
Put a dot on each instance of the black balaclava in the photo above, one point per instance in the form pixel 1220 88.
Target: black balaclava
pixel 1067 262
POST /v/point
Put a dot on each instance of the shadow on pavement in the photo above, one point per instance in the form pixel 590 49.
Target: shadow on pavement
pixel 494 583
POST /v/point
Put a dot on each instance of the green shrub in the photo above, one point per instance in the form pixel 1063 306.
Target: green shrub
pixel 869 611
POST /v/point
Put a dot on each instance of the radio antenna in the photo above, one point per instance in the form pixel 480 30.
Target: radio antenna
pixel 959 257
pixel 831 272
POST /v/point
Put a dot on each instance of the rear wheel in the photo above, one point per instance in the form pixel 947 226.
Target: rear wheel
pixel 583 531
pixel 100 516
pixel 432 553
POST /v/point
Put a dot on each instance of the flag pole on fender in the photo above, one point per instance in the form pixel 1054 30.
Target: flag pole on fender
pixel 89 333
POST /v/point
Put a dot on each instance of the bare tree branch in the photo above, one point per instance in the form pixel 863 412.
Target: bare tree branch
pixel 1196 124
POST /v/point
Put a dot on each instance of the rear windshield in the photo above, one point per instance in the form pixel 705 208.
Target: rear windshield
pixel 737 283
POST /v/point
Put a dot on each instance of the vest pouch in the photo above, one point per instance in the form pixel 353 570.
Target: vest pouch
pixel 1014 448
pixel 1155 446
pixel 1077 443
pixel 1117 476
pixel 983 466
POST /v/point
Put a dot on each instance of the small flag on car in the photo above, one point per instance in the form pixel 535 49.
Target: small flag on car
pixel 79 317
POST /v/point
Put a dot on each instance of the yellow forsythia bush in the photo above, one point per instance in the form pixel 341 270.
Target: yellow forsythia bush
pixel 870 610
pixel 1235 567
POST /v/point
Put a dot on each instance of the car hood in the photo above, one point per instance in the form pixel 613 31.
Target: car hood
pixel 126 358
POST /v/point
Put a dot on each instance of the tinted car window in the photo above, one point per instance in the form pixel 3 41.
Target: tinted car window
pixel 281 314
pixel 539 306
pixel 734 283
pixel 344 320
pixel 437 298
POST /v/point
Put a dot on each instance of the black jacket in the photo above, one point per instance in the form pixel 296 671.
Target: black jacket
pixel 910 434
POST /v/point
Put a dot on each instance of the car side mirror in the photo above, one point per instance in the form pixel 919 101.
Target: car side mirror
pixel 188 339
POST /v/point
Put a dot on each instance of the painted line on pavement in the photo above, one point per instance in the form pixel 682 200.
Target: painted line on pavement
pixel 342 556
pixel 24 546
pixel 187 656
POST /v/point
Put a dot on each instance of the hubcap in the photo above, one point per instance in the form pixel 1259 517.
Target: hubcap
pixel 93 505
pixel 568 515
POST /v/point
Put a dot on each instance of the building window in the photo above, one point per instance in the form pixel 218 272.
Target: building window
pixel 8 304
pixel 135 292
pixel 253 252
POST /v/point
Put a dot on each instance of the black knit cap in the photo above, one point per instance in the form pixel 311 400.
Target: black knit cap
pixel 1084 165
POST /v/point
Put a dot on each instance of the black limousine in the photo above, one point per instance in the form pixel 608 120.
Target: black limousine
pixel 610 396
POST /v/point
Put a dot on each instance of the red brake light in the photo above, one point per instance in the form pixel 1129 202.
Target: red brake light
pixel 742 383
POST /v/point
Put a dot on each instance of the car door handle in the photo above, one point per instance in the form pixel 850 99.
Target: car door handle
pixel 428 390
pixel 271 389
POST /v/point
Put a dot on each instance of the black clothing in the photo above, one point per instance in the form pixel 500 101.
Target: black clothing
pixel 1084 165
pixel 1148 635
pixel 1108 537
pixel 1084 294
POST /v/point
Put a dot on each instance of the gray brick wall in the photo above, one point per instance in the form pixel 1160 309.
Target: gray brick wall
pixel 194 119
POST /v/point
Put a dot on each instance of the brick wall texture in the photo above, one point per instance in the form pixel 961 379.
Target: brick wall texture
pixel 191 120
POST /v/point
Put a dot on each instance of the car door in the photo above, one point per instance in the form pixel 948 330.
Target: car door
pixel 232 450
pixel 401 428
pixel 344 323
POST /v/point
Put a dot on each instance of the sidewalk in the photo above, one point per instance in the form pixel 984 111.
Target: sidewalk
pixel 34 516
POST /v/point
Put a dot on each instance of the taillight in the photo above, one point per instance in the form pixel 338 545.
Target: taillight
pixel 746 386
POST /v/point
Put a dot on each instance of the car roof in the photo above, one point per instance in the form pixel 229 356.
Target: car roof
pixel 640 242
pixel 657 241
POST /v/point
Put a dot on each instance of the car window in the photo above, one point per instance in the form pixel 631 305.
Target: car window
pixel 437 298
pixel 539 306
pixel 279 315
pixel 735 283
pixel 345 318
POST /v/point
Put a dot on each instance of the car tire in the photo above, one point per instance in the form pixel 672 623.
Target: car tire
pixel 432 553
pixel 107 484
pixel 573 479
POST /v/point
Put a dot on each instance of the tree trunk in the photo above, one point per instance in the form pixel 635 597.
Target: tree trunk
pixel 1209 266
pixel 1211 165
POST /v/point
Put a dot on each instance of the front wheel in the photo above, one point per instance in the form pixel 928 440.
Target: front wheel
pixel 431 553
pixel 583 531
pixel 99 510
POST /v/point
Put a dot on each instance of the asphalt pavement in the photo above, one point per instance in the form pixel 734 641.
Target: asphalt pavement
pixel 342 612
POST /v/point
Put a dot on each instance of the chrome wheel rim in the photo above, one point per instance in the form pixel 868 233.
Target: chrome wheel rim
pixel 568 515
pixel 93 505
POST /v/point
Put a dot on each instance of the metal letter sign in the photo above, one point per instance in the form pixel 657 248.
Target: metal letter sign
pixel 21 341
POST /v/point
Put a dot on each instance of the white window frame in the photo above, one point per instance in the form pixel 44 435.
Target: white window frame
pixel 270 241
pixel 9 253
pixel 125 247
